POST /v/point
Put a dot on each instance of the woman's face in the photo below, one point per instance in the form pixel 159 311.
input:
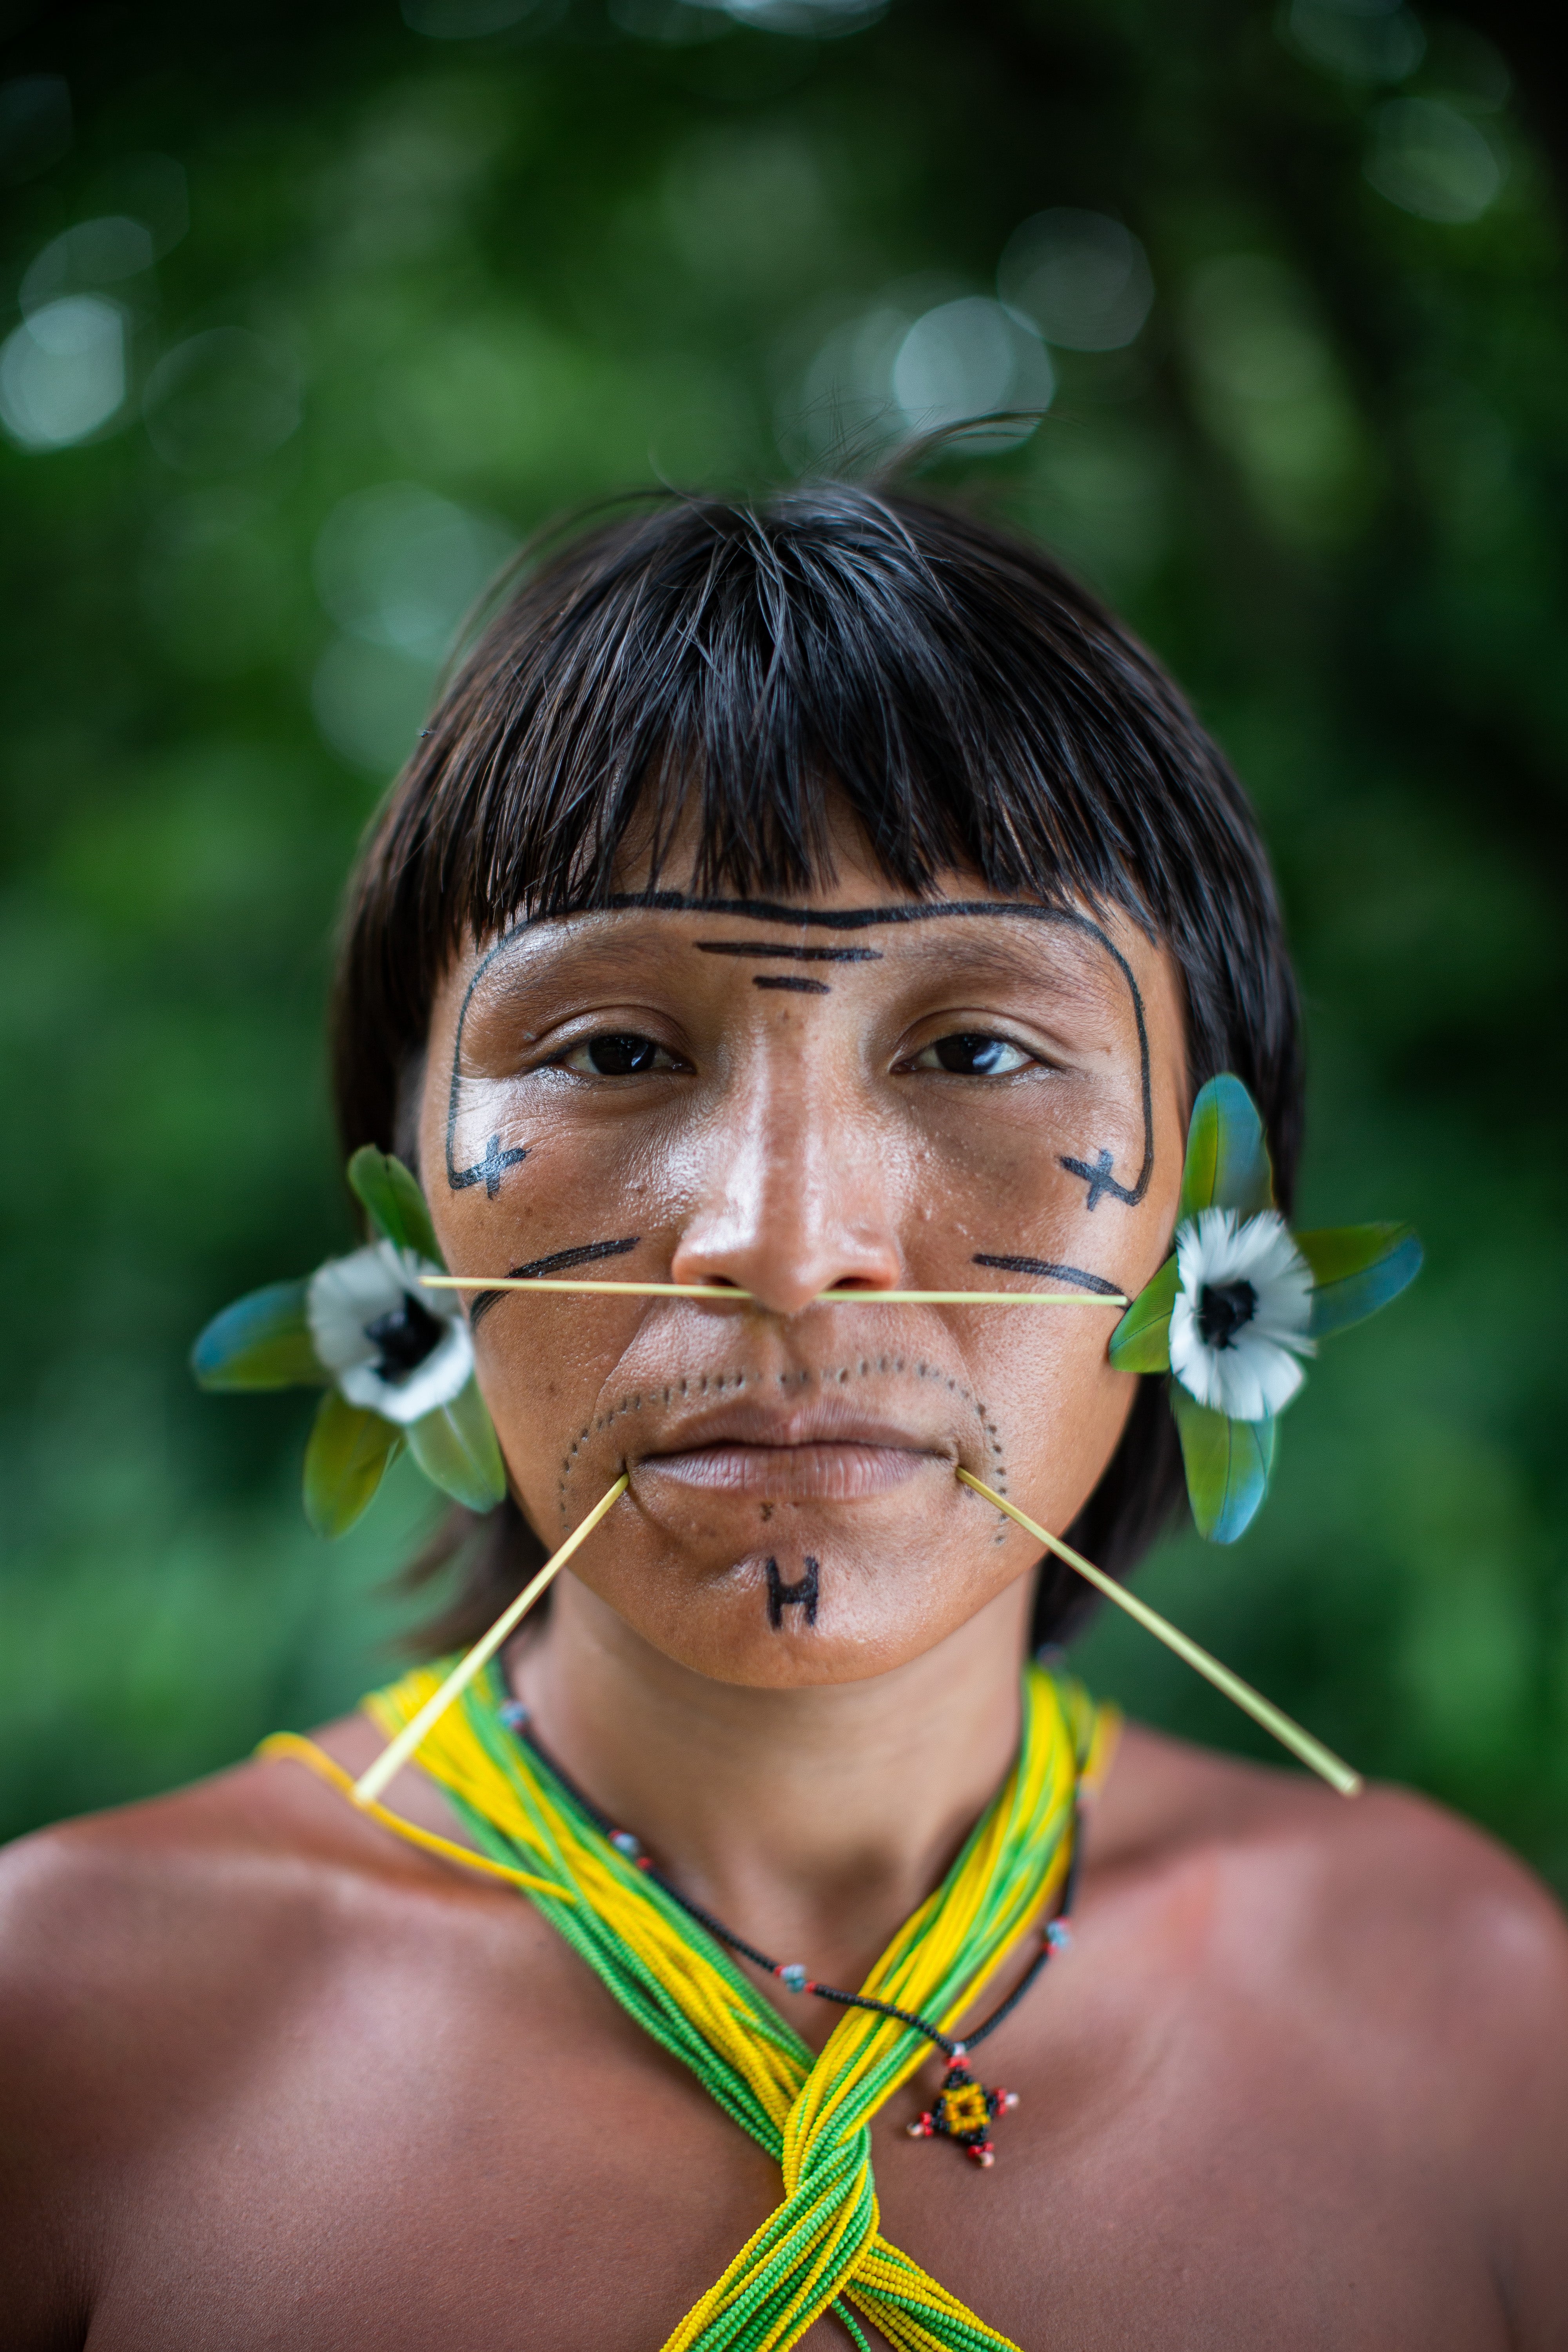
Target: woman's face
pixel 854 1090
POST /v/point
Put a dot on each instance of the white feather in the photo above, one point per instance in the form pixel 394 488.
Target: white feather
pixel 1257 1371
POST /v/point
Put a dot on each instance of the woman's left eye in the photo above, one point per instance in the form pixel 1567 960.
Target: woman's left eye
pixel 969 1054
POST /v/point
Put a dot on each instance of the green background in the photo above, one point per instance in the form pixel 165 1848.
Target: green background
pixel 509 259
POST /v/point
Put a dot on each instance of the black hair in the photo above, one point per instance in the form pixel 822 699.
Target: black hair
pixel 971 706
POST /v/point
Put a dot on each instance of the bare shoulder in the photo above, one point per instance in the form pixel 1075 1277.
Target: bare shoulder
pixel 1390 1893
pixel 183 1932
pixel 115 1884
pixel 174 1974
pixel 1417 1967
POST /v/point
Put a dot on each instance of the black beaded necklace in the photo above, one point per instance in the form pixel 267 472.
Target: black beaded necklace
pixel 964 2109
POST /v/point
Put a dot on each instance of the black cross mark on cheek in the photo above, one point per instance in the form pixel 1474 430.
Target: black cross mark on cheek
pixel 487 1171
pixel 1100 1180
pixel 801 1594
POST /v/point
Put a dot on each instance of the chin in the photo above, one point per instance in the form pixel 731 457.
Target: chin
pixel 816 1597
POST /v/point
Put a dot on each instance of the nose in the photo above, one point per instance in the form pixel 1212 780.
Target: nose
pixel 791 1207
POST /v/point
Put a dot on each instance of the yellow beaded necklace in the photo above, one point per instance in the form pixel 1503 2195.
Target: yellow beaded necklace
pixel 822 2248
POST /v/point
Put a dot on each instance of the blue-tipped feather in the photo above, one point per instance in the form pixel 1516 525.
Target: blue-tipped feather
pixel 262 1341
pixel 1226 1164
pixel 1227 1464
pixel 1356 1269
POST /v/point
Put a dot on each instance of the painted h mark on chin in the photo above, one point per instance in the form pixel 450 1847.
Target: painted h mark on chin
pixel 801 1595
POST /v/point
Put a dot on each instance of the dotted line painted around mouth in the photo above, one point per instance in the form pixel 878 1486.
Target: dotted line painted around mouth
pixel 834 1376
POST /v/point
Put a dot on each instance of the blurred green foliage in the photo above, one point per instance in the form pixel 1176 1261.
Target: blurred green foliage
pixel 406 286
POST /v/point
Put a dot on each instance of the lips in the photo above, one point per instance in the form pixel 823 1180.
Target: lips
pixel 819 1451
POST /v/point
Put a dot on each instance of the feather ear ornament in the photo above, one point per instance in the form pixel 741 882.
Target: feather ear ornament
pixel 395 1358
pixel 1241 1304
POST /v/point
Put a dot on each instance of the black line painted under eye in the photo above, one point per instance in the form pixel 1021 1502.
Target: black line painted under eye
pixel 794 955
pixel 1048 1267
pixel 1098 1177
pixel 799 987
pixel 557 1263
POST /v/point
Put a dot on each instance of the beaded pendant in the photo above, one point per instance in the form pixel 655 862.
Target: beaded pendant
pixel 964 2110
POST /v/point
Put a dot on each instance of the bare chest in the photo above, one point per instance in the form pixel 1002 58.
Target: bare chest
pixel 490 2154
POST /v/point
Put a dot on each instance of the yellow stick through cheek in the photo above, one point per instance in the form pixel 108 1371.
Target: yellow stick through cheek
pixel 370 1783
pixel 1290 1735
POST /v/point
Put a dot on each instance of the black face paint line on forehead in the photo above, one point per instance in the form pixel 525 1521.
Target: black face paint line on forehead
pixel 794 955
pixel 557 1263
pixel 1099 1176
pixel 797 987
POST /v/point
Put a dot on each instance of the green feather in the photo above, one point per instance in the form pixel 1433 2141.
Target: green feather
pixel 1227 1159
pixel 1227 1464
pixel 456 1448
pixel 345 1462
pixel 394 1203
pixel 1356 1269
pixel 262 1341
pixel 1141 1340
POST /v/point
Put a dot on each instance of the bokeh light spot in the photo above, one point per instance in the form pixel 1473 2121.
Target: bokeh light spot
pixel 399 567
pixel 95 252
pixel 1428 159
pixel 1270 390
pixel 843 407
pixel 1363 40
pixel 62 373
pixel 824 20
pixel 221 401
pixel 966 360
pixel 370 702
pixel 1081 278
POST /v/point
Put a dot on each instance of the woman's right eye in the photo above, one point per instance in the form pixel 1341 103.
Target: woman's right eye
pixel 617 1053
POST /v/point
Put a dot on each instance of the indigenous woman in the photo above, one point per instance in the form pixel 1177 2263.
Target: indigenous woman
pixel 799 907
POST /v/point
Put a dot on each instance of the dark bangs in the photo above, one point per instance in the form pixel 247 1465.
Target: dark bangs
pixel 969 703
